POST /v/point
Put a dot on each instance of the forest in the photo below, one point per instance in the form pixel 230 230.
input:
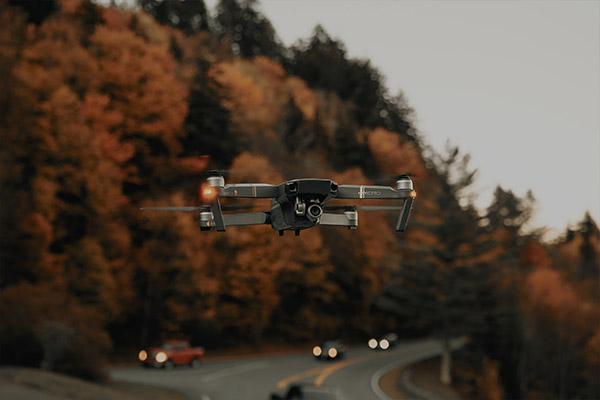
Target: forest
pixel 104 110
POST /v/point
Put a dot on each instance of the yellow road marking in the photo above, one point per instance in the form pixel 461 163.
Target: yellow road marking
pixel 324 372
pixel 296 377
pixel 342 364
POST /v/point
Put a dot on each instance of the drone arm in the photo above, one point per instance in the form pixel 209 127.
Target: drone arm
pixel 215 208
pixel 245 219
pixel 337 220
pixel 371 192
pixel 404 213
pixel 250 190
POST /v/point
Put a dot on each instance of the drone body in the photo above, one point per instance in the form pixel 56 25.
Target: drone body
pixel 298 204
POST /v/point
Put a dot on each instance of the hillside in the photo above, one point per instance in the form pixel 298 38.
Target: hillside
pixel 105 110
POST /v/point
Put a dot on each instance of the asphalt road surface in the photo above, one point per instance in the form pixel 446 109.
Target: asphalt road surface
pixel 356 376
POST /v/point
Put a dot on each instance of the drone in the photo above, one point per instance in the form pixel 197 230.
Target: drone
pixel 296 204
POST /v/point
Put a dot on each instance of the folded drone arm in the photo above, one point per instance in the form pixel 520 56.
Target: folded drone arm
pixel 245 219
pixel 404 213
pixel 250 190
pixel 337 220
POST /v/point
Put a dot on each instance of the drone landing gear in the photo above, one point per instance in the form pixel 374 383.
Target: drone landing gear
pixel 296 232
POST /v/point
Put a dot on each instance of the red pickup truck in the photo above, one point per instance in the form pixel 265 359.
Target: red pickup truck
pixel 171 353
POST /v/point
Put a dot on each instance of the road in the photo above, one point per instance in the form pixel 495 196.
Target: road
pixel 356 376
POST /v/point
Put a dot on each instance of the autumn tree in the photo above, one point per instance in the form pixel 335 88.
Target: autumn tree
pixel 73 132
pixel 558 326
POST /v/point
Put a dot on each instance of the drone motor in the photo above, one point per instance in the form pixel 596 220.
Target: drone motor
pixel 216 181
pixel 352 219
pixel 206 220
pixel 404 182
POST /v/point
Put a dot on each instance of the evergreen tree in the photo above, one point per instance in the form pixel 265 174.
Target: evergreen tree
pixel 37 11
pixel 323 62
pixel 190 16
pixel 208 123
pixel 589 266
pixel 247 30
pixel 501 338
pixel 439 286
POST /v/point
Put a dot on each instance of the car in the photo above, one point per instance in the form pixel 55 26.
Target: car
pixel 385 342
pixel 329 350
pixel 308 391
pixel 171 353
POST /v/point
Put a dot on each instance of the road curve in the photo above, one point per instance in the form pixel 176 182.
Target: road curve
pixel 356 376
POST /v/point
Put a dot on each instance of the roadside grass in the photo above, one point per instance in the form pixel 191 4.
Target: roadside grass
pixel 67 387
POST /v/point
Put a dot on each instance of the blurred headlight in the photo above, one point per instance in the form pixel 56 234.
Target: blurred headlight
pixel 142 355
pixel 332 353
pixel 161 357
pixel 373 343
pixel 317 351
pixel 384 344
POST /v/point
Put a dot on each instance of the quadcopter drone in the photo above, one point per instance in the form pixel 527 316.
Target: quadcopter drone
pixel 296 204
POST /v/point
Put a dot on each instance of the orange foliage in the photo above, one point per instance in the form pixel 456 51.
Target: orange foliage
pixel 116 19
pixel 258 90
pixel 243 91
pixel 194 164
pixel 304 97
pixel 249 167
pixel 534 254
pixel 488 381
pixel 143 87
pixel 269 69
pixel 547 290
pixel 592 353
pixel 394 155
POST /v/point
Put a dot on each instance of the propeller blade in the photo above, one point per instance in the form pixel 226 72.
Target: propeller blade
pixel 183 209
pixel 237 206
pixel 364 208
pixel 385 179
pixel 379 208
pixel 345 208
pixel 201 208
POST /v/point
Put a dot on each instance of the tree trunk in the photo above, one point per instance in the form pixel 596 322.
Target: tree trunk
pixel 446 363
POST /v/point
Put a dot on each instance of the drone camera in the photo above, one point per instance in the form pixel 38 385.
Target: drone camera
pixel 314 212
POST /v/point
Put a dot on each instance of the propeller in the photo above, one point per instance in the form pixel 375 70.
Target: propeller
pixel 217 172
pixel 383 179
pixel 201 208
pixel 364 208
pixel 224 172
